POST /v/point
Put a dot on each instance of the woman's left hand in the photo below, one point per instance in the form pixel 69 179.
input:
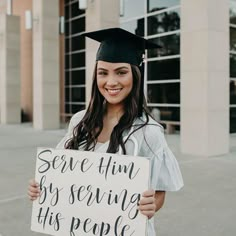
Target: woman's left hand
pixel 147 203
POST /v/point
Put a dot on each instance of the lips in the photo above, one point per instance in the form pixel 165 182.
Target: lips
pixel 113 92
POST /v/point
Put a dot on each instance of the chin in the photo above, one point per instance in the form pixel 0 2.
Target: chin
pixel 112 102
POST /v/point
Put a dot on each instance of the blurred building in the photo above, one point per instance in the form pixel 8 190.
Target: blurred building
pixel 190 82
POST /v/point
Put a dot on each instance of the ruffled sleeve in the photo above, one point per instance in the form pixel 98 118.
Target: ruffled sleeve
pixel 170 177
pixel 165 171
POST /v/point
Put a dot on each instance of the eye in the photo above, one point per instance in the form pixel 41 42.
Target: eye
pixel 102 73
pixel 122 72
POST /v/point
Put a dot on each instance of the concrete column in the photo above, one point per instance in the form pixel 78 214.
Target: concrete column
pixel 10 69
pixel 3 6
pixel 205 77
pixel 99 14
pixel 26 59
pixel 46 64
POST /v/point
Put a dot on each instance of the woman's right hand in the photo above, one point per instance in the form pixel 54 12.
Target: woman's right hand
pixel 33 190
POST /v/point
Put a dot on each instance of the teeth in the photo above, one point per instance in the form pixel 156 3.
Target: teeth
pixel 113 91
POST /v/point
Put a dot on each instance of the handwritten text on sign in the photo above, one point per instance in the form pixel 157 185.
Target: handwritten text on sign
pixel 89 193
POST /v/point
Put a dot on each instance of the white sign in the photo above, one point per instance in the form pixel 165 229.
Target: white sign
pixel 89 193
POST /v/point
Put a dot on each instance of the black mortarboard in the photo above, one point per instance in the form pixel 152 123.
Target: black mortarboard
pixel 120 46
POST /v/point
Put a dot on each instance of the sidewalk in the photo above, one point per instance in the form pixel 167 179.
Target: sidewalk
pixel 204 207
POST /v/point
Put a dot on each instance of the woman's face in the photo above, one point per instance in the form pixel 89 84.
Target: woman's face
pixel 114 81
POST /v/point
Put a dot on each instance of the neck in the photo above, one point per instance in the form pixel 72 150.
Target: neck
pixel 114 111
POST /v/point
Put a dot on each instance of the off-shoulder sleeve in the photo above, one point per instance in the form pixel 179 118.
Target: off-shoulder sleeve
pixel 165 171
pixel 75 119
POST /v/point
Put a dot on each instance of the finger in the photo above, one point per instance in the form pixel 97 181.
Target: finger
pixel 33 189
pixel 32 182
pixel 33 194
pixel 148 207
pixel 147 200
pixel 148 193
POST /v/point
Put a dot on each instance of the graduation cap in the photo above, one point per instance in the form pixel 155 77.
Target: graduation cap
pixel 120 46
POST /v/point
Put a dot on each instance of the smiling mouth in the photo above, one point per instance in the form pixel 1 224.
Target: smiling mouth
pixel 113 91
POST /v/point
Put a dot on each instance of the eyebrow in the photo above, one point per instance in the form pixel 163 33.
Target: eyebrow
pixel 119 68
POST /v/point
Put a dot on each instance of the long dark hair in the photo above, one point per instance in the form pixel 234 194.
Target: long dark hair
pixel 85 134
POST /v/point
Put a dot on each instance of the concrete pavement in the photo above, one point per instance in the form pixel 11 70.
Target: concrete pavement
pixel 206 206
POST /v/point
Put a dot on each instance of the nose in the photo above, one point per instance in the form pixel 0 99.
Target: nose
pixel 111 81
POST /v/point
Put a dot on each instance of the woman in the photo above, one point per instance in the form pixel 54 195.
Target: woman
pixel 117 120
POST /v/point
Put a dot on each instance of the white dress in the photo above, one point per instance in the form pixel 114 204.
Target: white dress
pixel 149 142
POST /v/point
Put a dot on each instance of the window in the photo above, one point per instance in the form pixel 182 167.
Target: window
pixel 170 45
pixel 233 92
pixel 74 59
pixel 164 69
pixel 77 43
pixel 132 8
pixel 233 38
pixel 164 22
pixel 168 93
pixel 166 113
pixel 232 12
pixel 135 26
pixel 155 5
pixel 158 21
pixel 232 65
pixel 233 120
pixel 232 56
